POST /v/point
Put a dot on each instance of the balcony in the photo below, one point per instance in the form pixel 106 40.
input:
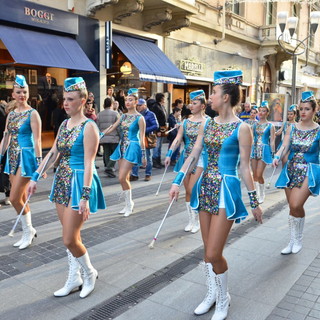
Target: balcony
pixel 171 15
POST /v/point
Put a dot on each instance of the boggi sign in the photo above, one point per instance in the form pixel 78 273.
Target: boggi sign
pixel 39 15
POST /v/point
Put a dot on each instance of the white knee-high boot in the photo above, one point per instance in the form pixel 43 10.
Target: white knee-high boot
pixel 28 231
pixel 190 217
pixel 74 279
pixel 210 297
pixel 297 243
pixel 223 297
pixel 129 203
pixel 196 223
pixel 90 274
pixel 296 233
pixel 256 183
pixel 128 208
pixel 261 193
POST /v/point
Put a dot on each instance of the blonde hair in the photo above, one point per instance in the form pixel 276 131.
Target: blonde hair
pixel 11 106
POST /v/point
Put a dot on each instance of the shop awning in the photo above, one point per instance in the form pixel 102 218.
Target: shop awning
pixel 42 49
pixel 152 63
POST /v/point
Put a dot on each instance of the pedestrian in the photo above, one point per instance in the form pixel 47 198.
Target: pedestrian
pixel 262 149
pixel 89 111
pixel 300 175
pixel 174 121
pixel 110 93
pixel 188 132
pixel 226 140
pixel 4 178
pixel 22 138
pixel 131 148
pixel 76 189
pixel 245 114
pixel 58 116
pixel 120 97
pixel 105 119
pixel 159 110
pixel 151 127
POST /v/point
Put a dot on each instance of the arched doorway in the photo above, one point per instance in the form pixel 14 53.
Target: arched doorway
pixel 266 72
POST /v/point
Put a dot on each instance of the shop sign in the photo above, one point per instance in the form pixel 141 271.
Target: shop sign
pixel 192 67
pixel 32 14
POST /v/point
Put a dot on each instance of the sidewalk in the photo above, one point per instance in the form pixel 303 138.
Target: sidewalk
pixel 136 282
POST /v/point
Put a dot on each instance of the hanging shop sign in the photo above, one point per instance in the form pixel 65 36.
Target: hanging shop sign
pixel 35 15
pixel 191 67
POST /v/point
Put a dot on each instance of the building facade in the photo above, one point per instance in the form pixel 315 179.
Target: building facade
pixel 174 46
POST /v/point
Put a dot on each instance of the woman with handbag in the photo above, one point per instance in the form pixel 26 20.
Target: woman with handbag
pixel 188 133
pixel 150 139
pixel 131 148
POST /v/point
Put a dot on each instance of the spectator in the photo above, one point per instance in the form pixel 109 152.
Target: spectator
pixel 105 119
pixel 121 99
pixel 110 93
pixel 174 122
pixel 159 110
pixel 58 116
pixel 151 126
pixel 89 111
pixel 245 114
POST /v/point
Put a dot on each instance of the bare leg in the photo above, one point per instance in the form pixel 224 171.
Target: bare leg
pixel 18 191
pixel 217 236
pixel 124 173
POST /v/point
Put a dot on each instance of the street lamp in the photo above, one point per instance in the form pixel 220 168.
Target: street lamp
pixel 291 23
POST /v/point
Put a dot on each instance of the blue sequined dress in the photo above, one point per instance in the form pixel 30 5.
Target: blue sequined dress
pixel 21 151
pixel 68 180
pixel 303 161
pixel 129 146
pixel 221 159
pixel 190 135
pixel 261 149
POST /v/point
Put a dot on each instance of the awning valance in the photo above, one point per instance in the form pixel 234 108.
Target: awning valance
pixel 42 49
pixel 152 63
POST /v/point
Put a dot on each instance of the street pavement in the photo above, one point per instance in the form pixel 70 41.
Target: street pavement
pixel 167 282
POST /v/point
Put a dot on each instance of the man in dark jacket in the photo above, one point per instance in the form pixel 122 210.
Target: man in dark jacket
pixel 159 110
pixel 151 126
pixel 105 119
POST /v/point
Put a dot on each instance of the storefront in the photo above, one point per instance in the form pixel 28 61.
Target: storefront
pixel 198 64
pixel 138 62
pixel 36 41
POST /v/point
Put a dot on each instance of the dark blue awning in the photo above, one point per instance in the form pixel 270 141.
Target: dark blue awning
pixel 152 63
pixel 42 49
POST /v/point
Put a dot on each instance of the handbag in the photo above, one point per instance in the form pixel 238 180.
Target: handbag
pixel 150 140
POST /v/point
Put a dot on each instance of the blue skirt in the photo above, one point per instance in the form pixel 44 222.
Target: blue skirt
pixel 96 200
pixel 132 153
pixel 313 175
pixel 26 160
pixel 235 208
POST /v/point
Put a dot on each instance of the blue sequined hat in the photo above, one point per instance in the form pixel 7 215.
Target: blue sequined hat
pixel 227 76
pixel 264 104
pixel 293 107
pixel 20 81
pixel 307 96
pixel 196 95
pixel 74 84
pixel 133 92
